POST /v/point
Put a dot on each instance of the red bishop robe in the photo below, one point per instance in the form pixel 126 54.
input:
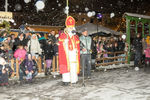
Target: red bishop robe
pixel 73 43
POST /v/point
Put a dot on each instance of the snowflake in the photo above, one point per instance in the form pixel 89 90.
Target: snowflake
pixel 59 4
pixel 80 13
pixel 112 15
pixel 86 9
pixel 77 6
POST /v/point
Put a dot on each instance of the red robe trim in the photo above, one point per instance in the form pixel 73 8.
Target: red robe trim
pixel 63 58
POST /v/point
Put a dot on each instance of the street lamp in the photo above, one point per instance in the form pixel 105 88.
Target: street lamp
pixel 40 4
pixel 99 18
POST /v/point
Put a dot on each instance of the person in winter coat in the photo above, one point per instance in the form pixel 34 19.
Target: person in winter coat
pixel 51 36
pixel 49 53
pixel 26 38
pixel 5 72
pixel 19 40
pixel 121 44
pixel 33 46
pixel 147 58
pixel 110 49
pixel 20 53
pixel 29 68
pixel 2 50
pixel 13 38
pixel 116 47
pixel 85 47
pixel 55 57
pixel 100 49
pixel 138 51
pixel 42 41
pixel 121 47
pixel 8 47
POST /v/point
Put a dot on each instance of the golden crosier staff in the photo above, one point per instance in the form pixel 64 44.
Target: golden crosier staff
pixel 67 7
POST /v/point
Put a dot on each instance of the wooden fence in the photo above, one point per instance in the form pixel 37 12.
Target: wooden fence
pixel 15 65
pixel 102 60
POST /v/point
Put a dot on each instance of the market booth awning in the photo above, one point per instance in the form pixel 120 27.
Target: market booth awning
pixel 94 29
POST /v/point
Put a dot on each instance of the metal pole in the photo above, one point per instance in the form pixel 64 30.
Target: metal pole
pixel 6 5
pixel 97 25
pixel 67 6
pixel 83 83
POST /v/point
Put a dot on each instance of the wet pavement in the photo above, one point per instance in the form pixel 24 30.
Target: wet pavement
pixel 115 84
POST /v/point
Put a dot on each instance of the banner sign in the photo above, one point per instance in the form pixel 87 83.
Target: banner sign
pixel 7 16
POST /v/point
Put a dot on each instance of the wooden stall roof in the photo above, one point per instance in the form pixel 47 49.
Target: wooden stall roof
pixel 137 15
pixel 45 28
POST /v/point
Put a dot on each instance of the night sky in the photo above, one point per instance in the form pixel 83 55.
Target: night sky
pixel 53 12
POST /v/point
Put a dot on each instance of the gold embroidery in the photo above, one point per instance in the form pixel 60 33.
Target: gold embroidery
pixel 61 39
pixel 70 20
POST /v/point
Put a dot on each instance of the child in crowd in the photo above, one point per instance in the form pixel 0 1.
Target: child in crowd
pixel 111 50
pixel 29 68
pixel 20 53
pixel 100 49
pixel 49 53
pixel 5 72
pixel 147 58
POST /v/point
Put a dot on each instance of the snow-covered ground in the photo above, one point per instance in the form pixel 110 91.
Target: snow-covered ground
pixel 115 84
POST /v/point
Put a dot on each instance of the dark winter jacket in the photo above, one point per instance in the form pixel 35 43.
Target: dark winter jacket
pixel 49 51
pixel 42 42
pixel 110 49
pixel 26 41
pixel 116 49
pixel 9 72
pixel 55 49
pixel 52 37
pixel 19 42
pixel 137 43
pixel 121 45
pixel 94 49
pixel 29 65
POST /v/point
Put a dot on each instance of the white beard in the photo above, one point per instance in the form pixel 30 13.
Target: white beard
pixel 70 34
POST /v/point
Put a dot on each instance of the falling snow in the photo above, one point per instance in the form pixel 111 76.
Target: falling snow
pixel 80 13
pixel 59 4
pixel 112 15
pixel 86 9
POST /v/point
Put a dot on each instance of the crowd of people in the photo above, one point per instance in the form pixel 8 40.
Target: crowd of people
pixel 26 48
pixel 74 52
pixel 104 45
